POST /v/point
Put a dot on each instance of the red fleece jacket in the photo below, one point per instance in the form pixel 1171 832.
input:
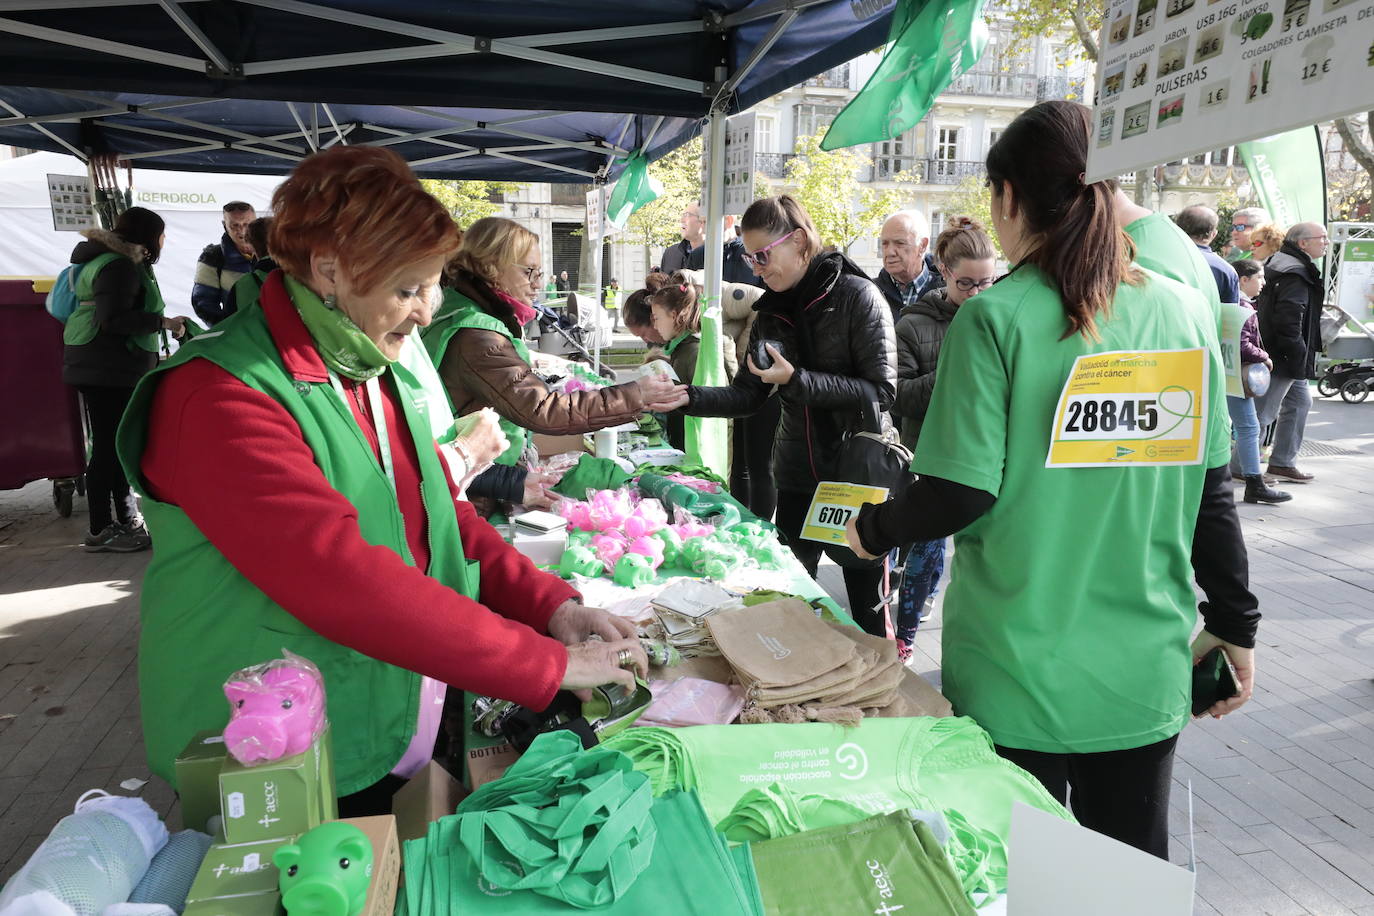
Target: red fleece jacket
pixel 235 462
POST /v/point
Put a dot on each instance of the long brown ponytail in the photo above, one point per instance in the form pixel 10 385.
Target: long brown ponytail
pixel 1077 243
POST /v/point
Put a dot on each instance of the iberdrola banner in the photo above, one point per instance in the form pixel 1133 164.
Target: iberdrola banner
pixel 931 42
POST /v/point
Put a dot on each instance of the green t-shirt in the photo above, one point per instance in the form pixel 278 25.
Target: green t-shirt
pixel 1164 248
pixel 1070 606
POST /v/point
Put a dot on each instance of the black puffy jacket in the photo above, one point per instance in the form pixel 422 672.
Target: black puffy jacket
pixel 108 361
pixel 835 328
pixel 1290 312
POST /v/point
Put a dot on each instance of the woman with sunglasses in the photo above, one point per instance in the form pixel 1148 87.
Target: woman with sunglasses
pixel 828 332
pixel 968 264
pixel 1077 445
pixel 475 341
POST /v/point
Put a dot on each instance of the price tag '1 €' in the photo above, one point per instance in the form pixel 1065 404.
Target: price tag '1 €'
pixel 1131 407
pixel 833 506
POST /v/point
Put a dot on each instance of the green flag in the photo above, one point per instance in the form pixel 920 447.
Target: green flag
pixel 706 436
pixel 931 42
pixel 1289 175
pixel 635 188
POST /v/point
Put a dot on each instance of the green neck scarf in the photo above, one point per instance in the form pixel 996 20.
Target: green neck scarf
pixel 677 341
pixel 344 346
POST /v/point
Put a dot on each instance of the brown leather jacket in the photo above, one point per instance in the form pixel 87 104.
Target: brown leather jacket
pixel 481 369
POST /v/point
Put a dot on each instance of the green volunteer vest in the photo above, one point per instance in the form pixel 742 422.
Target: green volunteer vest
pixel 458 312
pixel 81 327
pixel 202 619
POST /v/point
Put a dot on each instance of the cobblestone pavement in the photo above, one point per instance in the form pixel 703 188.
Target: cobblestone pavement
pixel 1283 792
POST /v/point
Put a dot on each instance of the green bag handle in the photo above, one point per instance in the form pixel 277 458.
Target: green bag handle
pixel 570 824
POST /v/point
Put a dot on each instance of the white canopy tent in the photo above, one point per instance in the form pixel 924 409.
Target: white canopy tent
pixel 190 202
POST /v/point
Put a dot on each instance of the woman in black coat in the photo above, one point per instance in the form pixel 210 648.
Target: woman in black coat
pixel 833 352
pixel 111 341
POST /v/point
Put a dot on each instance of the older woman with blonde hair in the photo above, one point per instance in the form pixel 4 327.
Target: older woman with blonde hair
pixel 475 341
pixel 1265 242
pixel 288 463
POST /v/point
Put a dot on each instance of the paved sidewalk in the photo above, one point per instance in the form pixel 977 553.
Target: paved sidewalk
pixel 1283 791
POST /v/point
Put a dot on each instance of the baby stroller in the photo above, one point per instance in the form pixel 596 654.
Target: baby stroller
pixel 568 331
pixel 1352 379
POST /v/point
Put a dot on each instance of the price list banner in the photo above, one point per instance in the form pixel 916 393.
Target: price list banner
pixel 1181 77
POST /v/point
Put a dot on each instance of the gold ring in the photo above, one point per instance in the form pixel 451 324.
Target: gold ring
pixel 624 659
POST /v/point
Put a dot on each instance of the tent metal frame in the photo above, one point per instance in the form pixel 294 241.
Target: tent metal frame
pixel 415 42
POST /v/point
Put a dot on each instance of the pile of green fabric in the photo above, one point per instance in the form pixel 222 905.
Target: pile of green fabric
pixel 880 864
pixel 566 827
pixel 946 765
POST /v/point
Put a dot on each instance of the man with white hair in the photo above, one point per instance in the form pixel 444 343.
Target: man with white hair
pixel 908 270
pixel 1244 222
pixel 1290 311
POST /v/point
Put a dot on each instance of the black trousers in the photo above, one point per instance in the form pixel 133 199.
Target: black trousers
pixel 863 587
pixel 751 469
pixel 105 481
pixel 1122 794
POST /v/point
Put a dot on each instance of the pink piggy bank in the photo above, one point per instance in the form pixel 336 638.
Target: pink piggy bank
pixel 576 512
pixel 649 547
pixel 275 714
pixel 608 550
pixel 647 518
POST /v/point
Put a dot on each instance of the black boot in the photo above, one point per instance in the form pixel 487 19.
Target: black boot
pixel 1257 491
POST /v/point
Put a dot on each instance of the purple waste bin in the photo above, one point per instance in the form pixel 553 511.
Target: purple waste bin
pixel 39 415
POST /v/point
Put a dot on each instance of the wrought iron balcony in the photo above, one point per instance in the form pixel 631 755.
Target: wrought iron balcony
pixel 773 165
pixel 1004 85
pixel 834 78
pixel 951 171
pixel 1061 87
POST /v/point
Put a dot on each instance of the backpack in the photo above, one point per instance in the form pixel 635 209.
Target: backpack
pixel 62 301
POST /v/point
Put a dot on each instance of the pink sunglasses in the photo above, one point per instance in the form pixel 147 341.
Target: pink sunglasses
pixel 760 257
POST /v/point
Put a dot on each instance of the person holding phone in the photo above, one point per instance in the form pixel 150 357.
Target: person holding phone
pixel 833 354
pixel 1068 630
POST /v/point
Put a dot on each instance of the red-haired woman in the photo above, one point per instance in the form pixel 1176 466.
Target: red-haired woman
pixel 288 463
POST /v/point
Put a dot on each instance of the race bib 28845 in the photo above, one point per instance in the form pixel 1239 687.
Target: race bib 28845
pixel 1131 407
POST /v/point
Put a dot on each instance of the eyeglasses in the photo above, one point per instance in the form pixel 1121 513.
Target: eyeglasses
pixel 761 257
pixel 968 283
pixel 533 274
pixel 1240 227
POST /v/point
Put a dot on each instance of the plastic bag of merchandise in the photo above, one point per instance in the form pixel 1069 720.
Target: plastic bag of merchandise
pixel 276 709
pixel 93 859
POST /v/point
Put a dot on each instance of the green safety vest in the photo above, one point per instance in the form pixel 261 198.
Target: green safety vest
pixel 81 327
pixel 459 312
pixel 202 619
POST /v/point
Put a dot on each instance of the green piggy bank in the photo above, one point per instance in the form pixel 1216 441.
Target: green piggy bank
pixel 326 872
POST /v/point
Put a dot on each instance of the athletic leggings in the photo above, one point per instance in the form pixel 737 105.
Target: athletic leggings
pixel 1123 794
pixel 105 481
pixel 864 586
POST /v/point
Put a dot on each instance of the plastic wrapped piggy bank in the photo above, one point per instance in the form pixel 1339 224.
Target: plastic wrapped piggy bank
pixel 275 710
pixel 326 872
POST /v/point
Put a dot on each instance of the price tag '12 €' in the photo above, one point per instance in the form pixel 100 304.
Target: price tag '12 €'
pixel 1131 407
pixel 833 506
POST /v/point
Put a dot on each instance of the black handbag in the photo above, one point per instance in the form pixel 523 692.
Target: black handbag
pixel 871 455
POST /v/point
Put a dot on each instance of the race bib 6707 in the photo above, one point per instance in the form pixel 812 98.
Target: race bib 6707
pixel 1131 407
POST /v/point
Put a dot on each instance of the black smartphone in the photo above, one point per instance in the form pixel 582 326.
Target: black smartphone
pixel 759 351
pixel 1214 678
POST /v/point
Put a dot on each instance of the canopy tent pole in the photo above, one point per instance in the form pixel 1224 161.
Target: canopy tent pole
pixel 597 247
pixel 715 203
pixel 706 436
